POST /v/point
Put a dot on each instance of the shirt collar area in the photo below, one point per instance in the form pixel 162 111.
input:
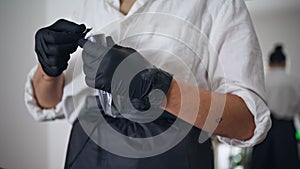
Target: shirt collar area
pixel 137 4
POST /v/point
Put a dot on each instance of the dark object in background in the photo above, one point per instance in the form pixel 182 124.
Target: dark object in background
pixel 277 56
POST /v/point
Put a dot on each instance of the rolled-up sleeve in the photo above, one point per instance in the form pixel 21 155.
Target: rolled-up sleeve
pixel 260 112
pixel 240 68
pixel 32 106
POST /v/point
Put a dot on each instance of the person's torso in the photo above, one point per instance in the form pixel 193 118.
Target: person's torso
pixel 283 94
pixel 172 35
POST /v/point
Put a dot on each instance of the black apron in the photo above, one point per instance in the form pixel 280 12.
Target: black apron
pixel 279 149
pixel 83 153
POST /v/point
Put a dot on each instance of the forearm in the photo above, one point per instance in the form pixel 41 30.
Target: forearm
pixel 48 90
pixel 223 114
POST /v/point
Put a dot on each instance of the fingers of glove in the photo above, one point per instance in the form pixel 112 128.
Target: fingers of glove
pixel 103 84
pixel 140 85
pixel 102 40
pixel 109 41
pixel 90 67
pixel 57 58
pixel 50 36
pixel 81 42
pixel 96 83
pixel 141 104
pixel 56 55
pixel 53 70
pixel 63 25
pixel 90 81
pixel 60 49
pixel 40 48
pixel 58 61
pixel 99 38
pixel 53 64
pixel 92 49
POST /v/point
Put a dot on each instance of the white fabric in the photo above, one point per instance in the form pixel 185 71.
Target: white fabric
pixel 283 92
pixel 210 41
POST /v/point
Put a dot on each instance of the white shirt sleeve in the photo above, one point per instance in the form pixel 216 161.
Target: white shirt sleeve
pixel 261 114
pixel 74 93
pixel 242 73
pixel 33 108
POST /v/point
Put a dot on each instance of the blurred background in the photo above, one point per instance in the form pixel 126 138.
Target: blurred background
pixel 27 144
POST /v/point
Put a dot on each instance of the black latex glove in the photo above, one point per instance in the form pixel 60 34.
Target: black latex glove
pixel 135 76
pixel 54 44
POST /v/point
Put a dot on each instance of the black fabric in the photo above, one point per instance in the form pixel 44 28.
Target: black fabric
pixel 279 149
pixel 54 44
pixel 83 153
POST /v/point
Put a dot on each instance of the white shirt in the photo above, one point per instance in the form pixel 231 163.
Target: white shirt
pixel 212 43
pixel 283 92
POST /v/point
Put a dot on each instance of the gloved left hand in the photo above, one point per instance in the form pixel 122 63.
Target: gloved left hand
pixel 123 71
pixel 55 43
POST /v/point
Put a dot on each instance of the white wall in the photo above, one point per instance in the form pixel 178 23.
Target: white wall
pixel 23 142
pixel 278 21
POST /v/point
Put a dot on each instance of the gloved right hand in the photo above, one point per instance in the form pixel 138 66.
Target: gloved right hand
pixel 54 44
pixel 136 77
